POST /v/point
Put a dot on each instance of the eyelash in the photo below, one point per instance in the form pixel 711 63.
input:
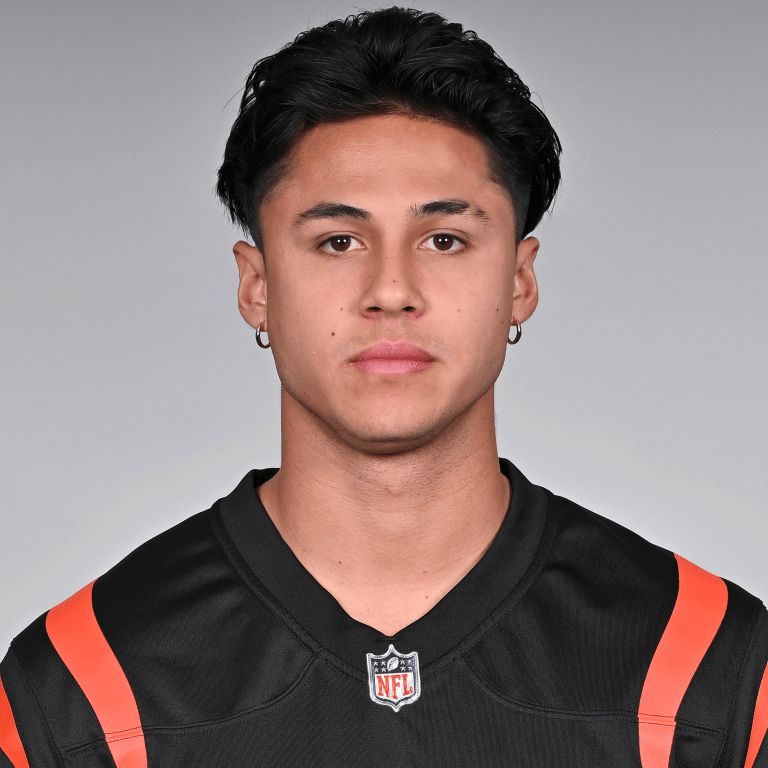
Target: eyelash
pixel 352 237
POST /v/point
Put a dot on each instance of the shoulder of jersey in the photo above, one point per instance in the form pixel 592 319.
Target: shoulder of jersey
pixel 173 630
pixel 177 632
pixel 586 636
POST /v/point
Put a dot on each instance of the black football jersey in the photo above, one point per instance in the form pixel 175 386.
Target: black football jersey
pixel 573 643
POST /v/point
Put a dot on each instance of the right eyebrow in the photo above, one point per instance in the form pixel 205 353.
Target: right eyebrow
pixel 332 211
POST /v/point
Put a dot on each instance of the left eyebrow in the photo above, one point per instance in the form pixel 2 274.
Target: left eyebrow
pixel 448 207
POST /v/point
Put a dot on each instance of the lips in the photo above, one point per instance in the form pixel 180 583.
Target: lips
pixel 393 358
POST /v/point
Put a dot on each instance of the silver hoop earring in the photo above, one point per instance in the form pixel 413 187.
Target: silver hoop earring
pixel 258 338
pixel 518 334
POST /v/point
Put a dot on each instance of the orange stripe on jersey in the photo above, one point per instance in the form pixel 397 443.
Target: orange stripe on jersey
pixel 759 722
pixel 10 743
pixel 77 638
pixel 699 609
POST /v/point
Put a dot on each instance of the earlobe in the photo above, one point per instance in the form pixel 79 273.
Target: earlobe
pixel 252 290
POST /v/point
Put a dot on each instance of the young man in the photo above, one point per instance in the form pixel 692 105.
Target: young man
pixel 394 594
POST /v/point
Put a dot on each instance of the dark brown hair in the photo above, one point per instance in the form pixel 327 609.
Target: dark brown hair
pixel 394 60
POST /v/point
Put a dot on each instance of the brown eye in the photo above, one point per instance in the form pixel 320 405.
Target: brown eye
pixel 445 242
pixel 337 244
pixel 340 242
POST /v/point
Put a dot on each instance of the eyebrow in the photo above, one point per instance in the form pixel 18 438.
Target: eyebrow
pixel 449 207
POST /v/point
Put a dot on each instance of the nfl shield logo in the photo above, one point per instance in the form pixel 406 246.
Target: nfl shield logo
pixel 393 678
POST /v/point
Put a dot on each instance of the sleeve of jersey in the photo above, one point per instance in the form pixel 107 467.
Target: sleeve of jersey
pixel 25 740
pixel 746 744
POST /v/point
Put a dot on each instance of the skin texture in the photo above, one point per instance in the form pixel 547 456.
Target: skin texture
pixel 387 480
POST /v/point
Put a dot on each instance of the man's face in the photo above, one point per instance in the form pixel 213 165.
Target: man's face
pixel 398 270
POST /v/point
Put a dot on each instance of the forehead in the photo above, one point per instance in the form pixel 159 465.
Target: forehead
pixel 387 133
pixel 388 153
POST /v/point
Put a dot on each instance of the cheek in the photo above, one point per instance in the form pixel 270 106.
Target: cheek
pixel 306 327
pixel 318 304
pixel 483 306
pixel 479 317
pixel 292 302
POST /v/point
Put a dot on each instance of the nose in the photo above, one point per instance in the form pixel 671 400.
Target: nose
pixel 392 285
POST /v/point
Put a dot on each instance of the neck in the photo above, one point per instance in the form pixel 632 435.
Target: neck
pixel 415 522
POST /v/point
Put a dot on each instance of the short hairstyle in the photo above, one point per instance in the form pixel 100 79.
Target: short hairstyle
pixel 390 61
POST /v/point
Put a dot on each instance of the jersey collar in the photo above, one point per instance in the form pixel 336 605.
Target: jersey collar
pixel 449 622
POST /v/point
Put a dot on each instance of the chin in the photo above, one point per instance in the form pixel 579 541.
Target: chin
pixel 378 437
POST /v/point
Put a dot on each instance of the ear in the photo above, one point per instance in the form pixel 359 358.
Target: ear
pixel 525 293
pixel 252 292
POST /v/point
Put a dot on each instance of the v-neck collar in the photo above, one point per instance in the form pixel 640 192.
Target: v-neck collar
pixel 459 612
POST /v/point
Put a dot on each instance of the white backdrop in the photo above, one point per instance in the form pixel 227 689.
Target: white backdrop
pixel 134 395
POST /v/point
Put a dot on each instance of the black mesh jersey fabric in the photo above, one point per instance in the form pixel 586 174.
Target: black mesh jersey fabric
pixel 236 656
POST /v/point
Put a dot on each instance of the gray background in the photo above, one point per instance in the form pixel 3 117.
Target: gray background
pixel 134 395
